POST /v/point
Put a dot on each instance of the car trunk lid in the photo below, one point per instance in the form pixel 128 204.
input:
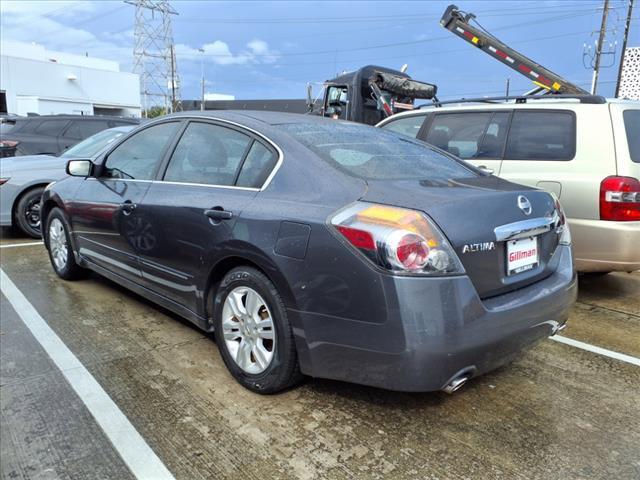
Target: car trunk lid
pixel 478 215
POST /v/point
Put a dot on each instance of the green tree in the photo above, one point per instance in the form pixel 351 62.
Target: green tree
pixel 154 112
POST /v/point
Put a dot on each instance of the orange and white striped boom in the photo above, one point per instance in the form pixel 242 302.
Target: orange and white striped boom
pixel 458 23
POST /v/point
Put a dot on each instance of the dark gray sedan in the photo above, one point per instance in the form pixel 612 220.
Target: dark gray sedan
pixel 319 247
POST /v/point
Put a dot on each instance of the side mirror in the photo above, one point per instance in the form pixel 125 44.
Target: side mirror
pixel 79 168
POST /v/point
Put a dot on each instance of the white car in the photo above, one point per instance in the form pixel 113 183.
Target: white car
pixel 586 150
pixel 24 178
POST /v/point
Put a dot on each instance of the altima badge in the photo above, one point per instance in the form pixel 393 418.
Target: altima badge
pixel 524 204
pixel 478 247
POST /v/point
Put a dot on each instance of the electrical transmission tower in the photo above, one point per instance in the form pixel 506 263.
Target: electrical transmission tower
pixel 154 56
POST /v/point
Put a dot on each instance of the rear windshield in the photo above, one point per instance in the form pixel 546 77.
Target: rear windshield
pixel 375 154
pixel 93 145
pixel 632 126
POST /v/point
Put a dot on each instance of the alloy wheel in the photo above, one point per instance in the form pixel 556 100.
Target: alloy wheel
pixel 248 330
pixel 32 214
pixel 58 244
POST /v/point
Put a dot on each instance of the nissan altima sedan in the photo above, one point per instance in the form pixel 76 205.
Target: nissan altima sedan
pixel 319 247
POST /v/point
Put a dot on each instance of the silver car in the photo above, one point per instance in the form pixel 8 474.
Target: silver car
pixel 23 179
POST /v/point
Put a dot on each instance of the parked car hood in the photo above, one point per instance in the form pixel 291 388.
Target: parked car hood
pixel 32 162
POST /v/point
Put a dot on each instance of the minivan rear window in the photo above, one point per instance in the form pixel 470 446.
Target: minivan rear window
pixel 632 127
pixel 375 154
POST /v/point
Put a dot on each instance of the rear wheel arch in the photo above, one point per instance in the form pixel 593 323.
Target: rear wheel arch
pixel 225 265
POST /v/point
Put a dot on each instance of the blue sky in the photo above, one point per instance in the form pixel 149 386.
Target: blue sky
pixel 272 49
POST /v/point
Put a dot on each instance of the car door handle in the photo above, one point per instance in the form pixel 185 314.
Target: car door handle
pixel 128 208
pixel 218 213
pixel 486 169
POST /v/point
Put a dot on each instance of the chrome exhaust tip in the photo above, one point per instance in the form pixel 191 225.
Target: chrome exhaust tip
pixel 456 384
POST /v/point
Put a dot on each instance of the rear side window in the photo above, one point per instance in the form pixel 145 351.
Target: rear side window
pixel 207 154
pixel 51 128
pixel 409 125
pixel 80 130
pixel 374 153
pixel 632 127
pixel 459 133
pixel 541 135
pixel 257 166
pixel 139 155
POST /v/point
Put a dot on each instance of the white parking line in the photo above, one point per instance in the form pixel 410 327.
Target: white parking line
pixel 25 244
pixel 141 460
pixel 601 351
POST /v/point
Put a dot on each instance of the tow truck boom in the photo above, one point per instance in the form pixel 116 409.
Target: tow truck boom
pixel 459 23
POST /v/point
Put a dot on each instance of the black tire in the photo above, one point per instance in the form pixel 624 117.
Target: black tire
pixel 283 371
pixel 69 269
pixel 26 214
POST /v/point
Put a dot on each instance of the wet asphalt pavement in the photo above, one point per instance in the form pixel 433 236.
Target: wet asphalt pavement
pixel 557 412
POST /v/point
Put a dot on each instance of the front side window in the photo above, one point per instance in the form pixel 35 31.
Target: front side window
pixel 374 153
pixel 632 128
pixel 93 145
pixel 138 156
pixel 337 101
pixel 207 154
pixel 541 135
pixel 409 126
pixel 459 133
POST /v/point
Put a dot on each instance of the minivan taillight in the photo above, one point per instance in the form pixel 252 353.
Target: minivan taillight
pixel 397 239
pixel 620 199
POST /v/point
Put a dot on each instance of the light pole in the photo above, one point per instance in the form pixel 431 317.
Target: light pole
pixel 201 50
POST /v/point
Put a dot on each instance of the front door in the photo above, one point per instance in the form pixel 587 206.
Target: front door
pixel 106 224
pixel 213 173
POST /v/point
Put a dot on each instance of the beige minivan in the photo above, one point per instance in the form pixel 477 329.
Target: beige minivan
pixel 586 150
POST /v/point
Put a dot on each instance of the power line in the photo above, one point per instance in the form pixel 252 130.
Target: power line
pixel 396 44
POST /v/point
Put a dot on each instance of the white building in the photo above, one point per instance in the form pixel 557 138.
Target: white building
pixel 36 80
pixel 218 96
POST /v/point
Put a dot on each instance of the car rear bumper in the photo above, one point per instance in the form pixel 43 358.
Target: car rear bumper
pixel 435 328
pixel 601 246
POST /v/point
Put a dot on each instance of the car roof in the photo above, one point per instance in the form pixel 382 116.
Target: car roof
pixel 262 116
pixel 77 117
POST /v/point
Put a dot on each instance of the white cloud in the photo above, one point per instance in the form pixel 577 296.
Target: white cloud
pixel 42 23
pixel 218 52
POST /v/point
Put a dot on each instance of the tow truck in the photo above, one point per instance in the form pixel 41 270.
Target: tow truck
pixel 370 94
pixel 546 81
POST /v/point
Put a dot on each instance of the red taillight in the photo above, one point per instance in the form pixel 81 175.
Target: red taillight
pixel 409 250
pixel 620 199
pixel 8 143
pixel 358 238
pixel 397 239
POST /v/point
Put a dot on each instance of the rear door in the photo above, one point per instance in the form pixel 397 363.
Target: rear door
pixel 213 172
pixel 108 229
pixel 44 139
pixel 477 137
pixel 564 151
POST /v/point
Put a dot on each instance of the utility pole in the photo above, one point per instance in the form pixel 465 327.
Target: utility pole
pixel 201 50
pixel 508 82
pixel 154 55
pixel 173 80
pixel 603 30
pixel 624 46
